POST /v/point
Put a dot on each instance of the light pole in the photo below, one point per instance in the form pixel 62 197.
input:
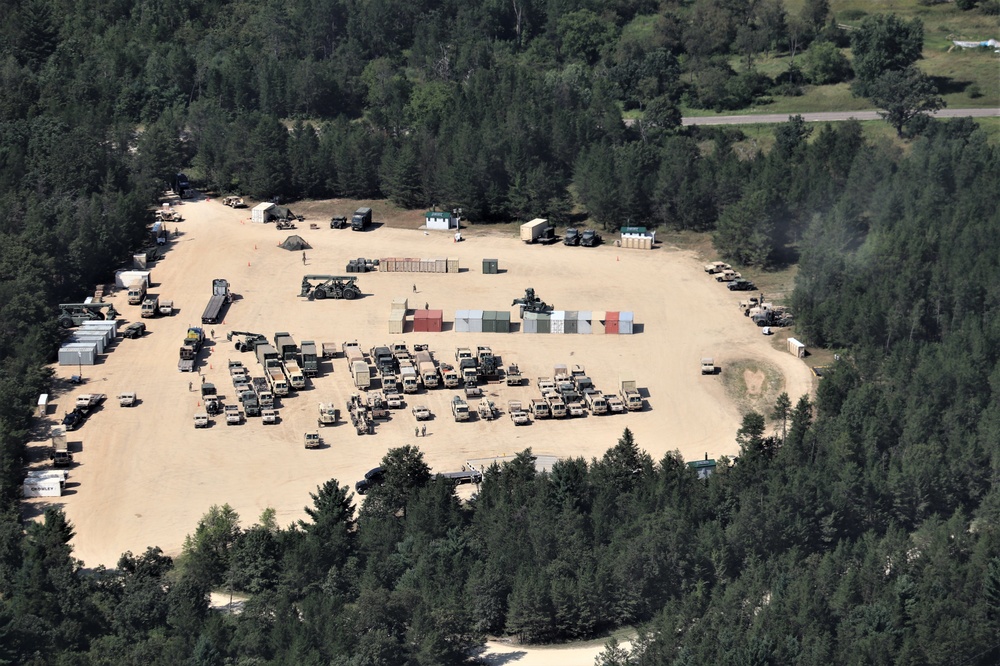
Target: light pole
pixel 79 365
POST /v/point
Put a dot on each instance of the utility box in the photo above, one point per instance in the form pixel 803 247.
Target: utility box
pixel 490 266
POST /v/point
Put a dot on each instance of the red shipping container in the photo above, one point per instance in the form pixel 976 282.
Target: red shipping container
pixel 435 320
pixel 420 321
pixel 611 322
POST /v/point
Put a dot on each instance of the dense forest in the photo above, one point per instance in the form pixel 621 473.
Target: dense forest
pixel 861 530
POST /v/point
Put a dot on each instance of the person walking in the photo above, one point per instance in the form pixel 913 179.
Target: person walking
pixel 190 386
pixel 213 333
pixel 303 258
pixel 414 288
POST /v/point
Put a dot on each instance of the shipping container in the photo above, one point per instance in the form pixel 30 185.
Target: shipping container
pixel 475 321
pixel 453 265
pixel 544 323
pixel 529 323
pixel 490 266
pixel 625 323
pixel 440 265
pixel 96 338
pixel 399 304
pixel 597 322
pixel 78 354
pixel 583 322
pixel 502 321
pixel 489 321
pixel 435 320
pixel 558 321
pixel 125 278
pixel 461 321
pixel 397 321
pixel 572 323
pixel 611 323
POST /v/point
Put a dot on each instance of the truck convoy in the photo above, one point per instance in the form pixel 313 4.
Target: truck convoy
pixel 193 342
pixel 330 286
pixel 220 297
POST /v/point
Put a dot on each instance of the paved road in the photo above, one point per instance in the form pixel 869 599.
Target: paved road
pixel 828 116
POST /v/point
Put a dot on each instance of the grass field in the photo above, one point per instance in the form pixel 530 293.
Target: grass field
pixel 964 78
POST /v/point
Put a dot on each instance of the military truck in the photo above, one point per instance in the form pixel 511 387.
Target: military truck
pixel 716 267
pixel 459 409
pixel 556 406
pixel 330 286
pixel 513 375
pixel 362 219
pixel 269 416
pixel 540 408
pixel 449 376
pixel 233 415
pixel 88 401
pixel 408 378
pixel 630 395
pixel 136 292
pixel 708 365
pixel 312 440
pixel 328 414
pixel 572 237
pixel 166 308
pixel 487 410
pixel 338 222
pixel 191 346
pixel 251 403
pixel 596 402
pixel 426 369
pixel 150 306
pixel 74 314
pixel 61 457
pixel 126 399
pixel 309 360
pixel 615 405
pixel 262 388
pixel 201 420
pixel 296 379
pixel 421 413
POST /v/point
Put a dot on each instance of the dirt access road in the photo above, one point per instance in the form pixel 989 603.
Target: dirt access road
pixel 144 475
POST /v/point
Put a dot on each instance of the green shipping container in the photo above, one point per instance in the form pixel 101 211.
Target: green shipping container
pixel 503 322
pixel 489 321
pixel 544 323
pixel 490 266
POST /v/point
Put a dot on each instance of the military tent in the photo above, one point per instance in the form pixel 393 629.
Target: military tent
pixel 295 242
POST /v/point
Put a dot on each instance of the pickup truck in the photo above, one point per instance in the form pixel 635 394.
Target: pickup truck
pixel 269 416
pixel 88 401
pixel 201 420
pixel 166 308
pixel 312 440
pixel 517 413
pixel 459 409
pixel 393 401
pixel 126 399
pixel 233 415
pixel 576 409
pixel 421 413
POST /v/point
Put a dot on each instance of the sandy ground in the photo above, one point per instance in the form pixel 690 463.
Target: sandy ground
pixel 583 653
pixel 144 475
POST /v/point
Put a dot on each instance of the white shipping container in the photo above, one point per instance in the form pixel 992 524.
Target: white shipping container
pixel 261 212
pixel 462 321
pixel 475 321
pixel 583 325
pixel 98 339
pixel 78 354
pixel 796 348
pixel 625 320
pixel 50 487
pixel 558 321
pixel 124 278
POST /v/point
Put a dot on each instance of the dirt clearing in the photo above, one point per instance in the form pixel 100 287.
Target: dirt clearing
pixel 144 475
